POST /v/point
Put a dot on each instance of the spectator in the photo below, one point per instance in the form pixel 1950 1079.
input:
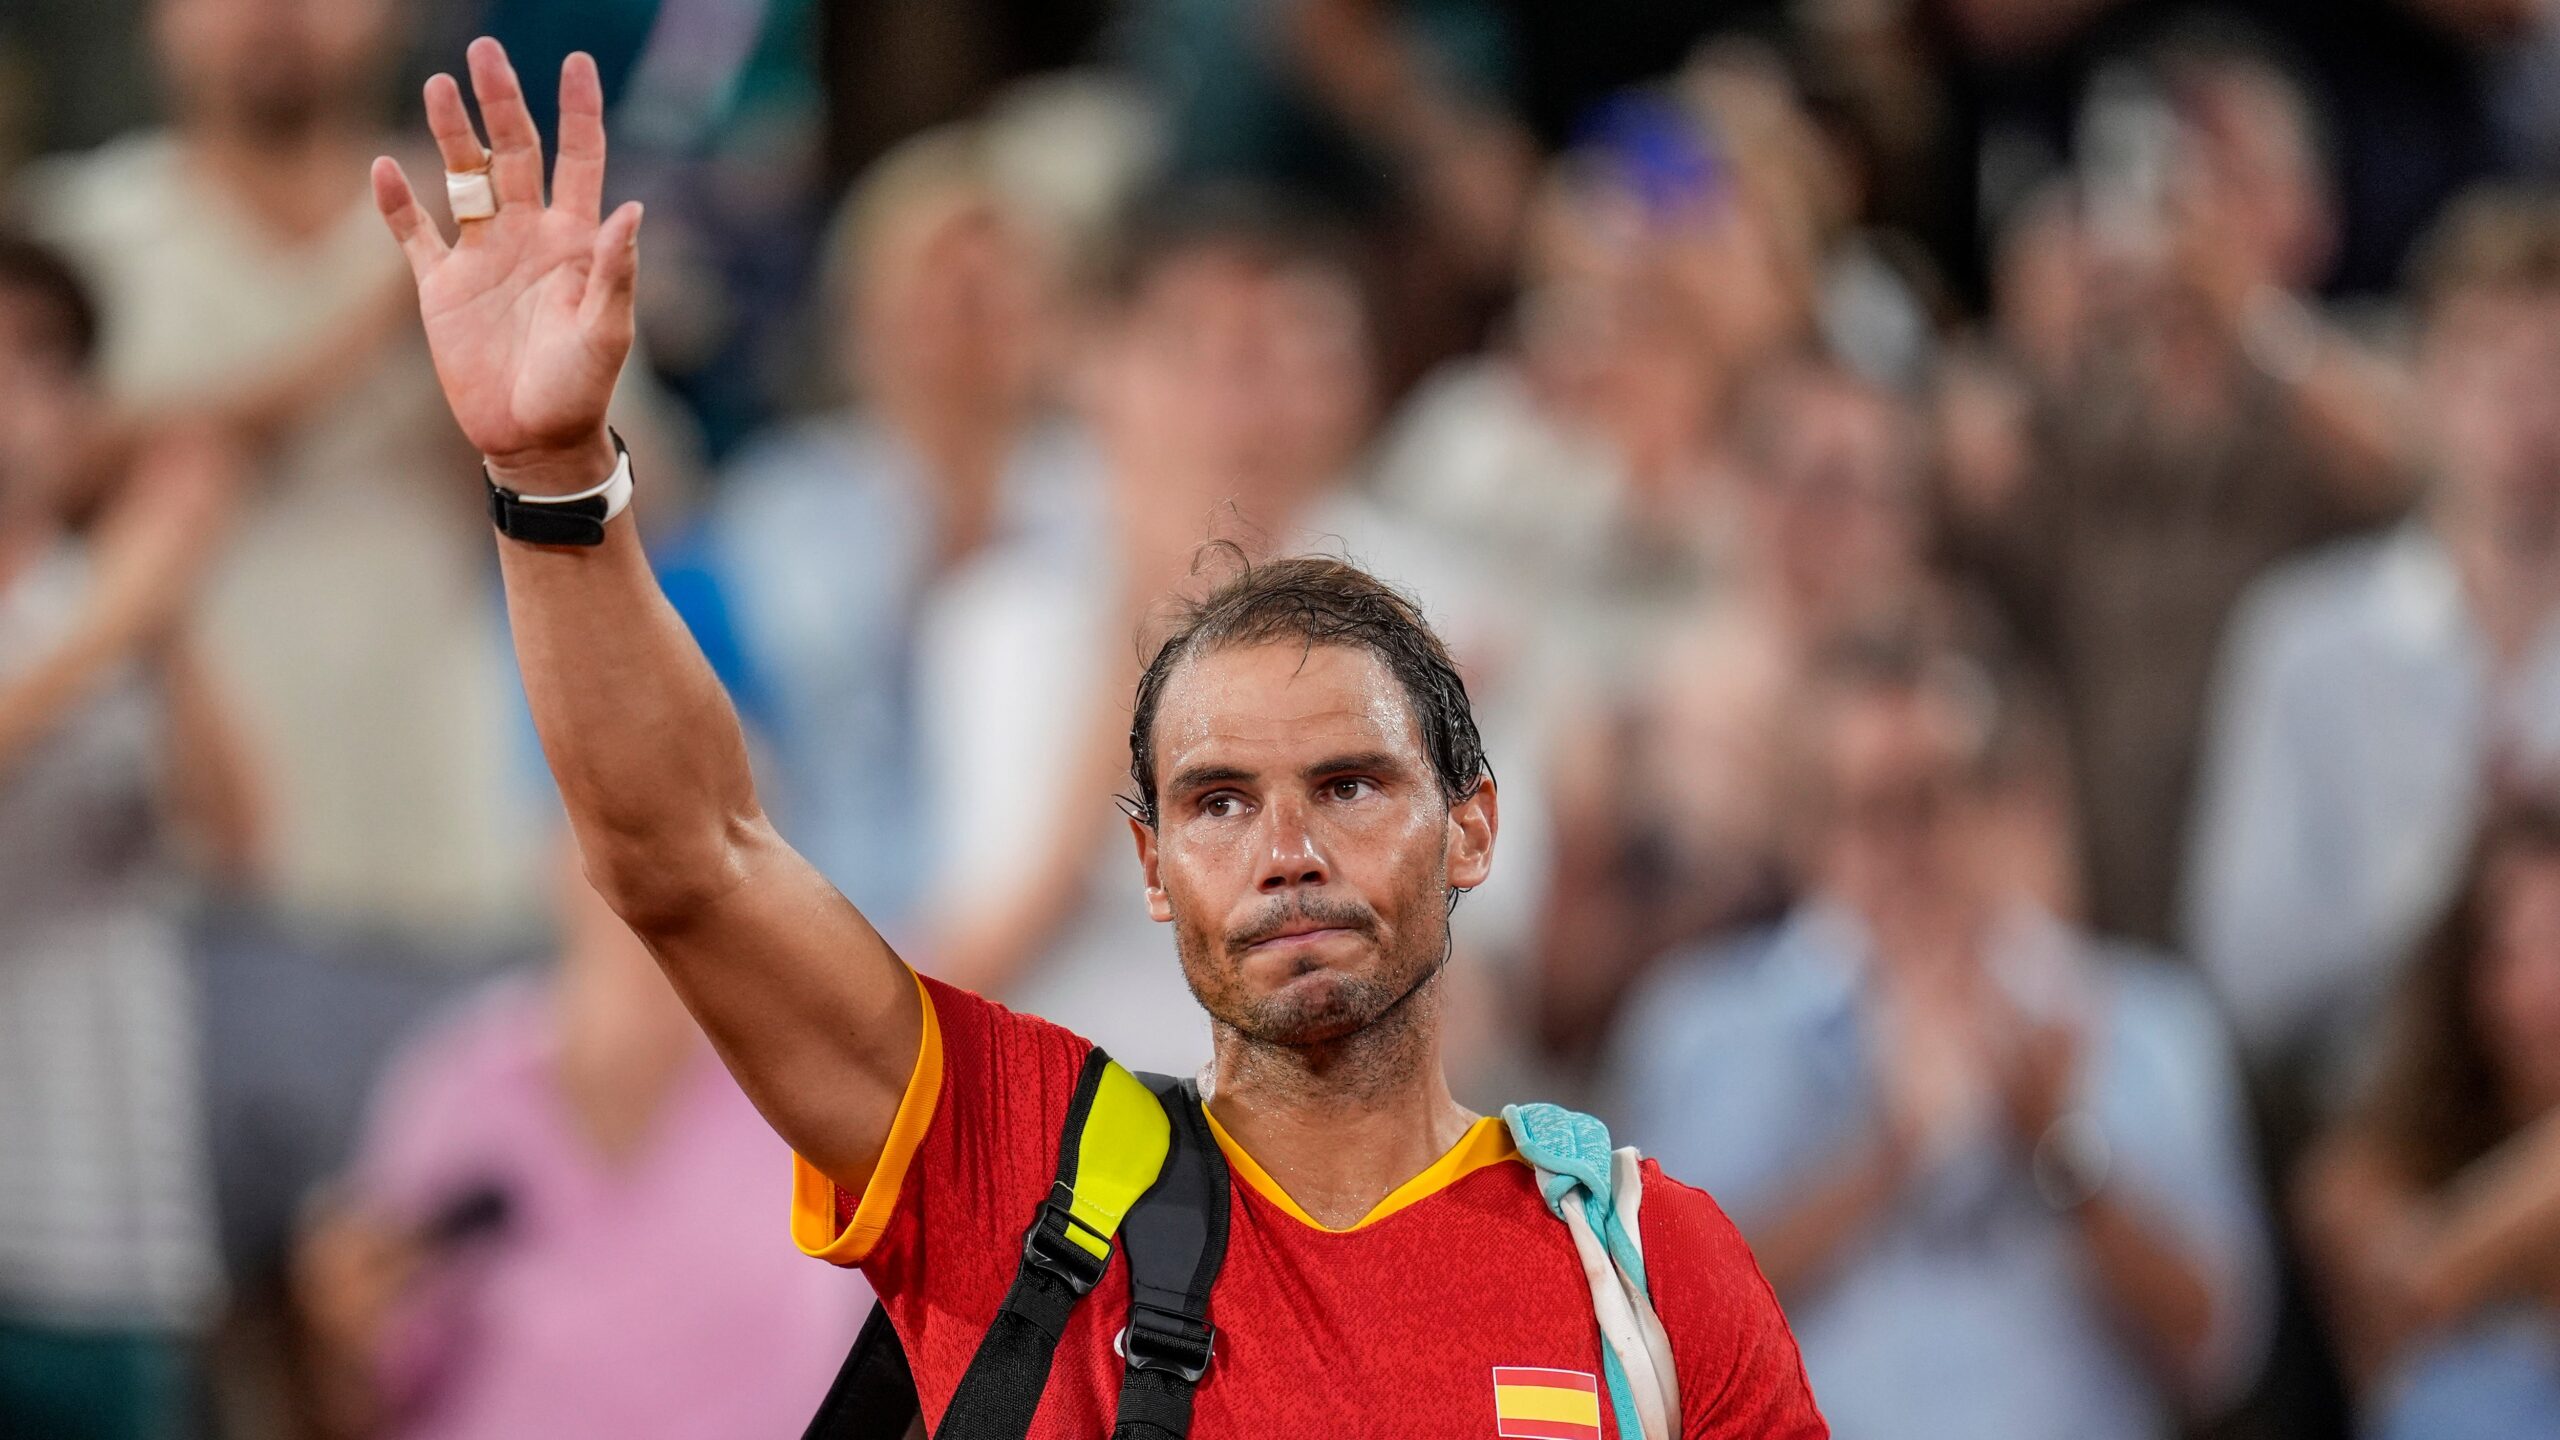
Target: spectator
pixel 1993 1163
pixel 1665 786
pixel 2187 419
pixel 2372 694
pixel 839 537
pixel 2433 1211
pixel 1231 392
pixel 241 272
pixel 1391 112
pixel 112 752
pixel 560 1222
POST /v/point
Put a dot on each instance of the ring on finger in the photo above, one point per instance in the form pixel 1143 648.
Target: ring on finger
pixel 469 194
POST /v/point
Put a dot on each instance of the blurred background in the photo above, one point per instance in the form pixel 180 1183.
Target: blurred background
pixel 2007 553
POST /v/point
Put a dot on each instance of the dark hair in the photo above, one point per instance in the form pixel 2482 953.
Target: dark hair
pixel 1270 228
pixel 2494 237
pixel 2439 1101
pixel 1954 649
pixel 1316 600
pixel 36 270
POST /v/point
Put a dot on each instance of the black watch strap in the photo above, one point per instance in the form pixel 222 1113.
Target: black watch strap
pixel 555 522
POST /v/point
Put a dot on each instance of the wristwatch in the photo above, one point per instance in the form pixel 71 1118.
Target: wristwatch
pixel 562 519
pixel 2071 1161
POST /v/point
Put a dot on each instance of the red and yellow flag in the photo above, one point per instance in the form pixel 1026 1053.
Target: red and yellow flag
pixel 1538 1404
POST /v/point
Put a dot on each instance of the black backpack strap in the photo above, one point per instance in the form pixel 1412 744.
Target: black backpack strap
pixel 874 1395
pixel 1176 1240
pixel 1109 1153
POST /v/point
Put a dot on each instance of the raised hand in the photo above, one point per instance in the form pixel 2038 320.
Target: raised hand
pixel 528 312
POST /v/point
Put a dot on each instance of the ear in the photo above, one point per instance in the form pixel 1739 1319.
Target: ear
pixel 1472 823
pixel 1159 905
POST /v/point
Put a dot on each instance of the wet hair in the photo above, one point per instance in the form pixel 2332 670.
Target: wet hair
pixel 1316 600
pixel 36 271
pixel 2438 1101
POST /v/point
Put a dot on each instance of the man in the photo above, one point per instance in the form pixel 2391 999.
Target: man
pixel 239 273
pixel 2180 419
pixel 1230 389
pixel 1310 800
pixel 113 755
pixel 2374 695
pixel 468 1285
pixel 841 539
pixel 1995 1165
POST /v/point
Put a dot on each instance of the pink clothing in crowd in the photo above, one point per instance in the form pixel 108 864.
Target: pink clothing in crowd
pixel 656 1296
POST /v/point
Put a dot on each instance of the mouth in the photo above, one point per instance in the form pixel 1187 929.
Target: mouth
pixel 1297 939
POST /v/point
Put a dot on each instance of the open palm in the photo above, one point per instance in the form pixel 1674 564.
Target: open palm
pixel 528 312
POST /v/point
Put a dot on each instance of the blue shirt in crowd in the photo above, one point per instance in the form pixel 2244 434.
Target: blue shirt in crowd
pixel 825 538
pixel 1968 1311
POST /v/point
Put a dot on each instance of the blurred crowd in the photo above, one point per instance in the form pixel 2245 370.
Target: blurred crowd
pixel 2007 553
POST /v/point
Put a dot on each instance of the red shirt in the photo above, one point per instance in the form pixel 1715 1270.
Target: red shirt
pixel 1393 1327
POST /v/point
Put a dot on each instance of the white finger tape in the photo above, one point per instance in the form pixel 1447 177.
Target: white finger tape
pixel 469 193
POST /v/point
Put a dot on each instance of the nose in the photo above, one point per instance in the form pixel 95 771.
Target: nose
pixel 1291 856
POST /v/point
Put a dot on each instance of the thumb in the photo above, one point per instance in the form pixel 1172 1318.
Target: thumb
pixel 613 268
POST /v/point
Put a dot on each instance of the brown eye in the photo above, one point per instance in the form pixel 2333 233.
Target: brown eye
pixel 1348 788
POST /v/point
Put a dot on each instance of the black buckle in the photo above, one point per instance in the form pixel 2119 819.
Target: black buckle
pixel 1161 1339
pixel 1047 1245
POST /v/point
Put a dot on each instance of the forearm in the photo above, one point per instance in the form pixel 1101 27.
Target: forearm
pixel 2157 1287
pixel 641 739
pixel 2500 1228
pixel 41 697
pixel 213 778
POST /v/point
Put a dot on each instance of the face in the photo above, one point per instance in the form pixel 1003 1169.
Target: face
pixel 274 66
pixel 1904 825
pixel 1834 503
pixel 2486 377
pixel 953 309
pixel 2519 996
pixel 1303 851
pixel 1239 381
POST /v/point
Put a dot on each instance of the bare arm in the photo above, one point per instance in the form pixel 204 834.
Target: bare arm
pixel 148 553
pixel 2157 1286
pixel 212 777
pixel 528 315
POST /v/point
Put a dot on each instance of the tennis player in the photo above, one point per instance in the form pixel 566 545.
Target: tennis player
pixel 1310 797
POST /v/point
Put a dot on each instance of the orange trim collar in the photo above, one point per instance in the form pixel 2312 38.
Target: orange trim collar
pixel 1487 1142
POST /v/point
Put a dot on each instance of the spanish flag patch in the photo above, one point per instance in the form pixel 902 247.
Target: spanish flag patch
pixel 1538 1404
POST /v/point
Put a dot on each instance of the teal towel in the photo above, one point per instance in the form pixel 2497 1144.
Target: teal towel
pixel 1571 1152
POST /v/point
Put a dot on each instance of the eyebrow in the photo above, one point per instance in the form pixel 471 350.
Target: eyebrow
pixel 1201 777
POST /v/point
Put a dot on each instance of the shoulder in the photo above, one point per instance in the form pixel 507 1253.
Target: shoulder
pixel 1689 1239
pixel 826 467
pixel 492 1032
pixel 97 201
pixel 2160 1010
pixel 445 1085
pixel 2313 608
pixel 1747 989
pixel 1739 1370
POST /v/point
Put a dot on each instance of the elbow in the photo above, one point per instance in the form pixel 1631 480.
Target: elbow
pixel 657 882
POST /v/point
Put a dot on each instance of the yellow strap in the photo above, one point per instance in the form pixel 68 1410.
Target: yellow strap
pixel 1122 1148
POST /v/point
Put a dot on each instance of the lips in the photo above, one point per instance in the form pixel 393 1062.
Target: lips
pixel 1299 939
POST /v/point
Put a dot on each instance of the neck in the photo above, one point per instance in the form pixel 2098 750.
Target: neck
pixel 296 184
pixel 1341 1124
pixel 2511 584
pixel 625 1040
pixel 963 451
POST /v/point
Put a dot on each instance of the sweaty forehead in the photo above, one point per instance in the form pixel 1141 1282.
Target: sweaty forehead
pixel 1280 703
